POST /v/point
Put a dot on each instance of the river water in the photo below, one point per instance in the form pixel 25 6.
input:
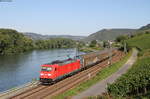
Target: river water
pixel 19 69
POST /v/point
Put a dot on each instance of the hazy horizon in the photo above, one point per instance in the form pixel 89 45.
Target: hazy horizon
pixel 73 17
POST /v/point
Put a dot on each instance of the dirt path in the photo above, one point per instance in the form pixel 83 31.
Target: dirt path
pixel 100 87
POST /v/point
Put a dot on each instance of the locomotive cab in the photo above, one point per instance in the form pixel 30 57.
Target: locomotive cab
pixel 56 70
pixel 46 74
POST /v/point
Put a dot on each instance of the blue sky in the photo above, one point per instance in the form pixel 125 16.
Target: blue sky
pixel 73 17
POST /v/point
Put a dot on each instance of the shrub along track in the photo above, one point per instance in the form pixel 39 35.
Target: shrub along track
pixel 41 91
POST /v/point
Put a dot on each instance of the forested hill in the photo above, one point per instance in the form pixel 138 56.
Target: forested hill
pixel 36 36
pixel 147 27
pixel 111 34
pixel 108 34
pixel 144 29
pixel 12 42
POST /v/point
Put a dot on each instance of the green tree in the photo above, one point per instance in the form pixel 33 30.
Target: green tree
pixel 12 42
pixel 121 38
pixel 93 43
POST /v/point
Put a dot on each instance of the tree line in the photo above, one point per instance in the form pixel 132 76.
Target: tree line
pixel 12 42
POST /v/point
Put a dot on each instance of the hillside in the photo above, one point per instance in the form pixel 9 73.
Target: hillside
pixel 108 34
pixel 141 42
pixel 36 36
pixel 136 82
pixel 147 27
pixel 144 29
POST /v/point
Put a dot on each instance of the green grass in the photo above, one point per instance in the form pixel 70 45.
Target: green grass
pixel 141 42
pixel 104 73
pixel 90 49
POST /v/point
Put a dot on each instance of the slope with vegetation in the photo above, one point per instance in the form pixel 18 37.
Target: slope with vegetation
pixel 141 42
pixel 136 82
pixel 145 28
pixel 108 34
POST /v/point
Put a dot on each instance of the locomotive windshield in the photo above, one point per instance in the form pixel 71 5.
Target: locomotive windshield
pixel 46 68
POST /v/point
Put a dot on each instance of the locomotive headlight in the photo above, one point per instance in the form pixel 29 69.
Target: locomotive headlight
pixel 41 74
pixel 49 74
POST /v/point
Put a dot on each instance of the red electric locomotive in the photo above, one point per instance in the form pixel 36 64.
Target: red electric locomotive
pixel 58 69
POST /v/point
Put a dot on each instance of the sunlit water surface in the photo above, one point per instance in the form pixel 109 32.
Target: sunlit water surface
pixel 19 69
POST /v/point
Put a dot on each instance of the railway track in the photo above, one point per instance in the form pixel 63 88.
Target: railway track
pixel 41 91
pixel 47 87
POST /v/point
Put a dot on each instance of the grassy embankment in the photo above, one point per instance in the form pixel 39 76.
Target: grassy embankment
pixel 88 49
pixel 136 82
pixel 141 42
pixel 104 73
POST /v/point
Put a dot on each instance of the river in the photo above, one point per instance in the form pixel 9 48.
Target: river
pixel 19 69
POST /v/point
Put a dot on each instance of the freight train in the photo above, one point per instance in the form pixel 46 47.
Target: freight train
pixel 57 70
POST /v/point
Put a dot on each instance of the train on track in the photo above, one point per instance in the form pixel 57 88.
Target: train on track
pixel 57 70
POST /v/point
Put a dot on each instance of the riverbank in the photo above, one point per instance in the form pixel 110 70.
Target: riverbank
pixel 90 49
pixel 17 90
